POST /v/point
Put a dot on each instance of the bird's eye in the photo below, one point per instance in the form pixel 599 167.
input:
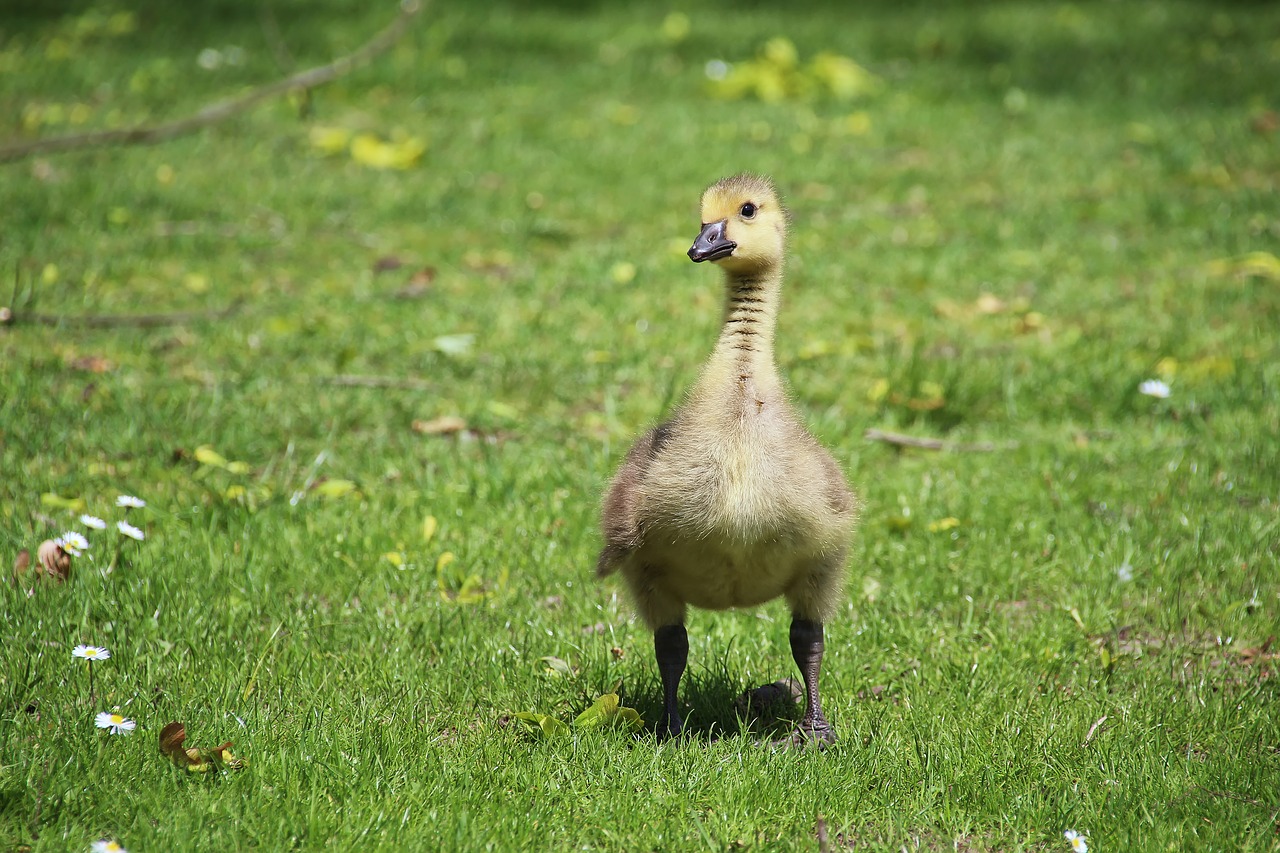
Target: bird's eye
pixel 748 210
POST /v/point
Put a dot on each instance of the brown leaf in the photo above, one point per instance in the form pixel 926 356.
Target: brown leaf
pixel 92 364
pixel 387 263
pixel 196 759
pixel 443 425
pixel 21 563
pixel 171 738
pixel 1266 122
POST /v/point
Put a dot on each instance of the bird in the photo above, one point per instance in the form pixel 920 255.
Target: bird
pixel 732 502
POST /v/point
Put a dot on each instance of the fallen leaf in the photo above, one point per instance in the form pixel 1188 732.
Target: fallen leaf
pixel 206 455
pixel 503 410
pixel 333 489
pixel 607 712
pixel 1251 265
pixel 92 364
pixel 21 563
pixel 443 425
pixel 454 345
pixel 196 759
pixel 543 724
pixel 557 666
pixel 369 150
pixel 329 140
pixel 57 502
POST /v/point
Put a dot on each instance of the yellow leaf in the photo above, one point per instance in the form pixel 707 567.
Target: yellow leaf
pixel 330 140
pixel 429 525
pixel 472 591
pixel 395 558
pixel 443 560
pixel 368 150
pixel 857 123
pixel 543 724
pixel 676 26
pixel 1257 264
pixel 780 51
pixel 878 391
pixel 53 500
pixel 206 455
pixel 238 467
pixel 622 272
pixel 335 488
pixel 234 492
pixel 503 410
pixel 843 77
pixel 943 524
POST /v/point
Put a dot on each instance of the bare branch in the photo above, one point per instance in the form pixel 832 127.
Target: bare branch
pixel 220 110
pixel 107 321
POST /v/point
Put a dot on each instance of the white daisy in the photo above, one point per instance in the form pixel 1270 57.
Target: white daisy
pixel 130 502
pixel 91 652
pixel 106 845
pixel 97 524
pixel 1079 843
pixel 73 543
pixel 129 530
pixel 114 723
pixel 1154 388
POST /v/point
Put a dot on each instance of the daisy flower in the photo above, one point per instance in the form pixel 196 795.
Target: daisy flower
pixel 73 543
pixel 1079 843
pixel 94 522
pixel 106 845
pixel 91 653
pixel 129 530
pixel 130 502
pixel 1154 388
pixel 114 723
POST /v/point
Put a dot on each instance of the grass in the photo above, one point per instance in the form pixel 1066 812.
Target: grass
pixel 1017 230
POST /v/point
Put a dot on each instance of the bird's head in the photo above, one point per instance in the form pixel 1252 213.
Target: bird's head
pixel 744 224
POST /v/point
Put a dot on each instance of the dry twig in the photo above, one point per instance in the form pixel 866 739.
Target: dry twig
pixel 361 381
pixel 898 439
pixel 220 110
pixel 1088 737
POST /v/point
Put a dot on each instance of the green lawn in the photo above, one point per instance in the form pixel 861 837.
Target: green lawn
pixel 1032 210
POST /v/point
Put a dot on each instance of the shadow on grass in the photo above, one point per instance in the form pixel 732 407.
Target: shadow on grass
pixel 714 708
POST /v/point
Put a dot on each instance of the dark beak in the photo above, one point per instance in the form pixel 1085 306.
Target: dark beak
pixel 711 244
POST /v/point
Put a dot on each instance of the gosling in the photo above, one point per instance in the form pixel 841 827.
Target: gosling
pixel 732 502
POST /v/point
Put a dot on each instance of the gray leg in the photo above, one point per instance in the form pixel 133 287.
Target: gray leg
pixel 806 647
pixel 671 647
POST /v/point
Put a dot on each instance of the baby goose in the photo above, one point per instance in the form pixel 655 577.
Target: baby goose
pixel 732 502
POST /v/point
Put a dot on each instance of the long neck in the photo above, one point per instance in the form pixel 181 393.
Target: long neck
pixel 744 349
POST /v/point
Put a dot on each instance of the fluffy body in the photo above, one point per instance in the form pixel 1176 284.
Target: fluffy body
pixel 732 502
